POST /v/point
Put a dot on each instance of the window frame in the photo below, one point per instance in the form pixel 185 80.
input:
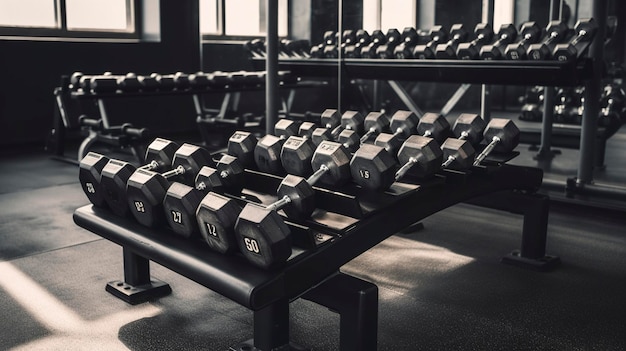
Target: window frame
pixel 132 31
pixel 222 37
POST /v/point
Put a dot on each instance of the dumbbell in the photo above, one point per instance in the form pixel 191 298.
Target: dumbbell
pixel 268 148
pixel 374 123
pixel 555 33
pixel 585 31
pixel 146 190
pixel 182 202
pixel 402 125
pixel 438 35
pixel 90 174
pixel 129 83
pixel 105 83
pixel 394 38
pixel 377 38
pixel 255 47
pixel 530 33
pixel 315 134
pixel 447 51
pixel 471 50
pixel 329 49
pixel 159 156
pixel 362 39
pixel 262 235
pixel 348 38
pixel 408 41
pixel 506 35
pixel 502 135
pixel 470 127
pixel 148 83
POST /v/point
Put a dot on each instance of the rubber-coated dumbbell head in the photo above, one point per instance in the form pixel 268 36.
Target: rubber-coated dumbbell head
pixel 372 167
pixel 349 139
pixel 378 37
pixel 145 193
pixel 330 118
pixel 352 120
pixel 181 80
pixel 129 83
pixel 458 33
pixel 226 176
pixel 506 35
pixel 390 142
pixel 433 125
pixel 470 127
pixel 555 31
pixel 409 35
pixel 180 205
pixel 216 217
pixel 426 152
pixel 362 37
pixel 393 36
pixel 296 156
pixel 334 156
pixel 301 195
pixel 90 174
pixel 263 237
pixel 241 145
pixel 585 29
pixel 285 128
pixel 321 134
pixel 376 122
pixel 530 32
pixel 462 152
pixel 403 123
pixel 191 158
pixel 506 131
pixel 115 176
pixel 161 151
pixel 306 129
pixel 469 51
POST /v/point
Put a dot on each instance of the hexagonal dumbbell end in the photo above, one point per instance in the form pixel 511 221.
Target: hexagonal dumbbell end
pixel 585 30
pixel 555 32
pixel 470 127
pixel 301 196
pixel 373 167
pixel 330 118
pixel 191 158
pixel 113 183
pixel 390 142
pixel 296 156
pixel 263 237
pixel 349 139
pixel 321 134
pixel 216 217
pixel 89 176
pixel 267 154
pixel 433 125
pixel 285 128
pixel 306 129
pixel 162 152
pixel 145 193
pixel 502 135
pixel 336 158
pixel 403 123
pixel 241 145
pixel 180 205
pixel 208 179
pixel 352 120
pixel 374 123
pixel 232 172
pixel 419 156
pixel 457 154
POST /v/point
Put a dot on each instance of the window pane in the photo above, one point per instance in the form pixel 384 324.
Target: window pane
pixel 27 13
pixel 247 17
pixel 208 17
pixel 371 15
pixel 97 14
pixel 397 14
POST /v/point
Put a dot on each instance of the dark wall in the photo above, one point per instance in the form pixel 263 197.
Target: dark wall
pixel 31 69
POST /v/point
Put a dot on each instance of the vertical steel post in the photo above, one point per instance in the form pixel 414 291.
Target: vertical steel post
pixel 271 66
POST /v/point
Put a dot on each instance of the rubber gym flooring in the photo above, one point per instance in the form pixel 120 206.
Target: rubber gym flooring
pixel 441 288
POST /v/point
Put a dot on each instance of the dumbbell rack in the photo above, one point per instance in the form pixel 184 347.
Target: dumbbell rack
pixel 348 222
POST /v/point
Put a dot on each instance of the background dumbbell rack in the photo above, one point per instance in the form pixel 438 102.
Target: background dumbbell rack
pixel 326 242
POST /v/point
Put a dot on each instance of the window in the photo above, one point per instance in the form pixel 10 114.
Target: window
pixel 69 18
pixel 238 18
pixel 385 14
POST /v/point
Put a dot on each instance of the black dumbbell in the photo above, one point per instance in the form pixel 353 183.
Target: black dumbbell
pixel 115 175
pixel 471 50
pixel 506 35
pixel 556 31
pixel 255 47
pixel 438 35
pixel 146 190
pixel 502 135
pixel 90 174
pixel 402 125
pixel 394 38
pixel 408 41
pixel 148 83
pixel 374 123
pixel 268 148
pixel 585 31
pixel 447 51
pixel 105 83
pixel 362 39
pixel 529 33
pixel 470 127
pixel 166 82
pixel 377 38
pixel 423 157
pixel 129 83
pixel 263 237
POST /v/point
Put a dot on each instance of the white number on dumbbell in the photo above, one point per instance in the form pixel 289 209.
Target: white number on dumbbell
pixel 90 188
pixel 364 173
pixel 211 229
pixel 139 206
pixel 177 217
pixel 251 245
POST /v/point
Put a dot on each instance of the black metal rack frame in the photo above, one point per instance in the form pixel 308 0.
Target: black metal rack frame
pixel 380 215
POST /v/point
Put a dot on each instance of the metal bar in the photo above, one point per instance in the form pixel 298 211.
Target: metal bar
pixel 591 105
pixel 485 102
pixel 405 97
pixel 458 94
pixel 103 113
pixel 271 67
pixel 136 268
pixel 546 124
pixel 339 57
pixel 271 324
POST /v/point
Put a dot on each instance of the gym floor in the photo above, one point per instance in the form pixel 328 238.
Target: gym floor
pixel 441 288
